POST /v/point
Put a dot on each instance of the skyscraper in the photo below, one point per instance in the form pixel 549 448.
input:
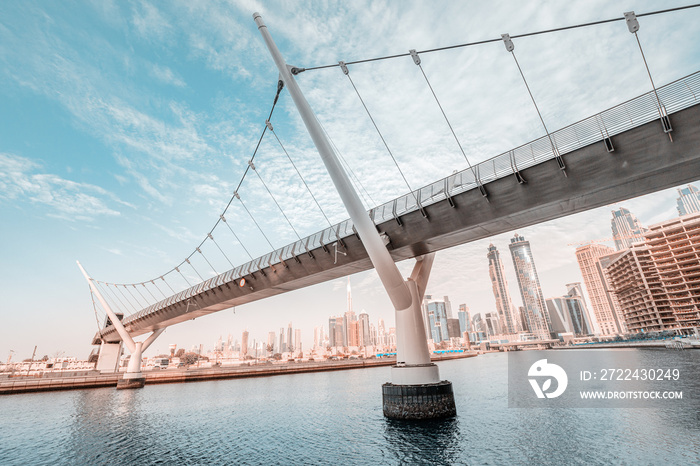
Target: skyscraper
pixel 331 332
pixel 465 324
pixel 626 229
pixel 530 289
pixel 365 334
pixel 493 326
pixel 354 333
pixel 340 334
pixel 436 312
pixel 381 333
pixel 569 314
pixel 688 200
pixel 318 336
pixel 348 319
pixel 290 338
pixel 244 344
pixel 297 341
pixel 504 305
pixel 606 308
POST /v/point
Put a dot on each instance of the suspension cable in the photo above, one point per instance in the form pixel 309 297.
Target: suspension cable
pixel 272 130
pixel 168 284
pixel 159 290
pixel 107 297
pixel 353 176
pixel 488 41
pixel 155 300
pixel 211 237
pixel 125 297
pixel 280 86
pixel 347 73
pixel 138 303
pixel 114 295
pixel 511 48
pixel 193 268
pixel 205 258
pixel 142 296
pixel 252 165
pixel 253 219
pixel 94 307
pixel 236 236
pixel 183 276
pixel 417 61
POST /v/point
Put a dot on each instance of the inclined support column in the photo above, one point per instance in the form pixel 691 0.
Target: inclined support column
pixel 413 373
pixel 133 378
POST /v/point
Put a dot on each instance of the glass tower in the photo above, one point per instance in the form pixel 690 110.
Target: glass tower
pixel 504 306
pixel 626 229
pixel 688 200
pixel 529 283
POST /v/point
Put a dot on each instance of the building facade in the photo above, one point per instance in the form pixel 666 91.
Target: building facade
pixel 569 313
pixel 688 201
pixel 504 304
pixel 436 313
pixel 606 309
pixel 465 324
pixel 530 289
pixel 626 229
pixel 636 283
pixel 674 247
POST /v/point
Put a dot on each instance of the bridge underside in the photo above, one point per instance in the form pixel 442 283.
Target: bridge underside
pixel 644 161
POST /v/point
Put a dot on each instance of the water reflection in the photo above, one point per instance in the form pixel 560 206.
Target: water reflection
pixel 336 418
pixel 424 442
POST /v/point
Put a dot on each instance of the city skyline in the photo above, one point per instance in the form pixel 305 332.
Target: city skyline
pixel 127 126
pixel 605 329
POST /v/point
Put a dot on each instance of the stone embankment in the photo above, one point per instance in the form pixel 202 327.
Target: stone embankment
pixel 93 379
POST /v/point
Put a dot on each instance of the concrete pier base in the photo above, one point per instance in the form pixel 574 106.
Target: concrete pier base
pixel 416 402
pixel 136 382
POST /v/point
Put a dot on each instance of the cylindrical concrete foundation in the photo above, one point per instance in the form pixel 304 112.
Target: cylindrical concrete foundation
pixel 136 382
pixel 425 401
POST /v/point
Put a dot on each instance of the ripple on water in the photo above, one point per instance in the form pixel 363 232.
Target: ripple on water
pixel 336 418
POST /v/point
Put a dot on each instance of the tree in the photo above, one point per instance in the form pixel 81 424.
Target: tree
pixel 180 353
pixel 190 358
pixel 269 349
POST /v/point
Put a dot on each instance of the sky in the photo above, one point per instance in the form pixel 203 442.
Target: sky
pixel 125 127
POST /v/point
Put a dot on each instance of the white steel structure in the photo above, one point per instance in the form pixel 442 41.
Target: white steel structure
pixel 413 365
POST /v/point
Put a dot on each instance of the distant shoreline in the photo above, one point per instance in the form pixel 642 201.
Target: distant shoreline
pixel 93 379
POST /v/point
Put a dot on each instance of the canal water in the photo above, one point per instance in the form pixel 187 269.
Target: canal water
pixel 336 418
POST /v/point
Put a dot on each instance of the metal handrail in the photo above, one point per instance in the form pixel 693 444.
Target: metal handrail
pixel 675 96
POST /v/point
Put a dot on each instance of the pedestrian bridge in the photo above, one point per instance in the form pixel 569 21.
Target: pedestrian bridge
pixel 629 150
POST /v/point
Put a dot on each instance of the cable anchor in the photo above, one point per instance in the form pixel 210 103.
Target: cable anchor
pixel 414 54
pixel 508 43
pixel 631 20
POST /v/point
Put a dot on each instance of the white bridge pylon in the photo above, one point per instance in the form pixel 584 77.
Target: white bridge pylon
pixel 136 348
pixel 413 366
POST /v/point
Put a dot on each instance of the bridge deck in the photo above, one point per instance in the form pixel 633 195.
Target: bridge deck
pixel 644 160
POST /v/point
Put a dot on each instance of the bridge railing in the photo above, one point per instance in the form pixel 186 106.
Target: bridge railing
pixel 675 96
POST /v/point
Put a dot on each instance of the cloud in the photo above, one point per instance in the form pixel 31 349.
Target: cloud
pixel 166 75
pixel 149 23
pixel 20 181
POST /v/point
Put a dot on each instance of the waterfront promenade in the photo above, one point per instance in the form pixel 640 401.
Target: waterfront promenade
pixel 94 379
